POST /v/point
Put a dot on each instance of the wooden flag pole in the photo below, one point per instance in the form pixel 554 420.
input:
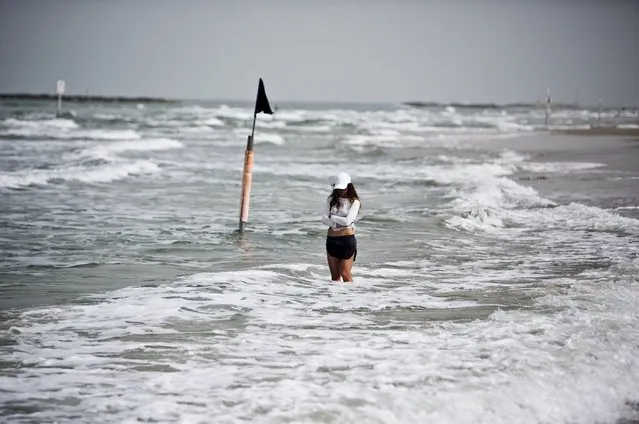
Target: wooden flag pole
pixel 261 105
pixel 247 179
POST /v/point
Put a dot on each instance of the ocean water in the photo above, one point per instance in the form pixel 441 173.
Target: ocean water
pixel 496 279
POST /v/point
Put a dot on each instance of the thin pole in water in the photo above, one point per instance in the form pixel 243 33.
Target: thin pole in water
pixel 599 117
pixel 548 103
pixel 59 90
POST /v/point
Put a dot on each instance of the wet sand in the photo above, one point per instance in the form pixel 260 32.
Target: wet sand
pixel 616 148
pixel 602 131
pixel 616 154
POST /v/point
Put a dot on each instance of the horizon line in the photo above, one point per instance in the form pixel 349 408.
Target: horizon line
pixel 166 99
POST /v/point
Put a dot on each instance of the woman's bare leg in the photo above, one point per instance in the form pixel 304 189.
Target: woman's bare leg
pixel 334 266
pixel 345 269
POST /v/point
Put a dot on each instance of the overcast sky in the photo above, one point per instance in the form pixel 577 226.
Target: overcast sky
pixel 325 50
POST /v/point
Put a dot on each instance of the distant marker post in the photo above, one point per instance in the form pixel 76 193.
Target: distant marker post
pixel 548 106
pixel 60 91
pixel 261 105
pixel 599 115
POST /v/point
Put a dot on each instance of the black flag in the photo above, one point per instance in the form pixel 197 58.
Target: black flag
pixel 261 103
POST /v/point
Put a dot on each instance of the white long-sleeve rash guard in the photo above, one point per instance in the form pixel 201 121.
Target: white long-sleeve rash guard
pixel 341 216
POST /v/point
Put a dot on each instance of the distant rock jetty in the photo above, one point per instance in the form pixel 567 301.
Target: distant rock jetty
pixel 85 98
pixel 487 105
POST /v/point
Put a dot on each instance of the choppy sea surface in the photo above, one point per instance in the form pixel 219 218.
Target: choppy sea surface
pixel 496 279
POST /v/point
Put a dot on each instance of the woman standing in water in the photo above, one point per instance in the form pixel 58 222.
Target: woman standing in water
pixel 340 212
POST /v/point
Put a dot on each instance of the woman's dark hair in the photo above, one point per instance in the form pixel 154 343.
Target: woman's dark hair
pixel 351 194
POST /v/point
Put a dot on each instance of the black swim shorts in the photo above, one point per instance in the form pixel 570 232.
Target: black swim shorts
pixel 342 247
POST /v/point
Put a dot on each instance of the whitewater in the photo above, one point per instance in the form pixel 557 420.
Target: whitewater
pixel 496 279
